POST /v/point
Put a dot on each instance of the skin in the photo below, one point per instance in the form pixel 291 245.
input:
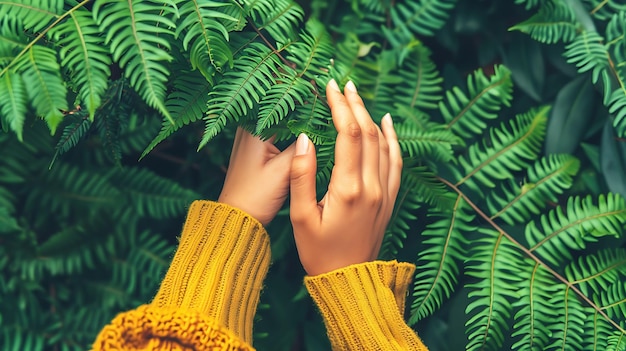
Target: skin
pixel 347 226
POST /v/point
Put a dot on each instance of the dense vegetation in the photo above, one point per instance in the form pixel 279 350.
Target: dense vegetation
pixel 511 115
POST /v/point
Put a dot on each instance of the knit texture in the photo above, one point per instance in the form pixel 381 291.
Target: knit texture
pixel 210 293
pixel 363 306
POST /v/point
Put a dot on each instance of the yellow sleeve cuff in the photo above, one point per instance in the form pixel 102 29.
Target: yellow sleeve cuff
pixel 153 328
pixel 363 305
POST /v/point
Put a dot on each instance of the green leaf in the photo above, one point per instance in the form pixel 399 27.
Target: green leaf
pixel 83 52
pixel 554 22
pixel 13 101
pixel 465 114
pixel 137 32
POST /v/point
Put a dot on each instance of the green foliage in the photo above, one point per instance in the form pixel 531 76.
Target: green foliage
pixel 523 246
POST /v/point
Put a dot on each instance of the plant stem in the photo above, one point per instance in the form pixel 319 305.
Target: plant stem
pixel 533 256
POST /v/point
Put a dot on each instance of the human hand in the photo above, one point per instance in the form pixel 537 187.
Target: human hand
pixel 257 180
pixel 347 226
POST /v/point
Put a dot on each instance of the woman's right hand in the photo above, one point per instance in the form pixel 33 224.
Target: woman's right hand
pixel 348 225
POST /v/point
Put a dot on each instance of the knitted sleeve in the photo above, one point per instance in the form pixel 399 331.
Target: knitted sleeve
pixel 363 305
pixel 209 295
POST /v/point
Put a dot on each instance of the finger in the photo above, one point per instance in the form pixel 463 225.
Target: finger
pixel 348 143
pixel 371 134
pixel 303 206
pixel 395 157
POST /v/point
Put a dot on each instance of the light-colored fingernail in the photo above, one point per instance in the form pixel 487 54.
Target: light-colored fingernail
pixel 333 84
pixel 388 118
pixel 350 86
pixel 302 144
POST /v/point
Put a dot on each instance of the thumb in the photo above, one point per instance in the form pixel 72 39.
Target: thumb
pixel 303 195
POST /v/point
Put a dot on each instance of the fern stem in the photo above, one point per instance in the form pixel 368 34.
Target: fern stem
pixel 285 61
pixel 530 254
pixel 41 35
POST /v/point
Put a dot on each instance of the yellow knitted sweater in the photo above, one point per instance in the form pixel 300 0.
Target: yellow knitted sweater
pixel 209 295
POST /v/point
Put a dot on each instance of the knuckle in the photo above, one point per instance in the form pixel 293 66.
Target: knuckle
pixel 353 130
pixel 372 131
pixel 384 147
pixel 351 193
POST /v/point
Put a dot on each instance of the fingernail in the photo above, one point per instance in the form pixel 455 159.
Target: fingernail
pixel 350 86
pixel 388 118
pixel 333 84
pixel 302 145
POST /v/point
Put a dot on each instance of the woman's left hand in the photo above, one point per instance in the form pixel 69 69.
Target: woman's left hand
pixel 257 180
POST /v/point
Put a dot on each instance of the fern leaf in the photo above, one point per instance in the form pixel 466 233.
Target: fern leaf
pixel 398 227
pixel 205 25
pixel 419 72
pixel 613 300
pixel 71 135
pixel 281 99
pixel 554 22
pixel 109 129
pixel 494 261
pixel 505 150
pixel 616 342
pixel 565 229
pixel 596 272
pixel 135 31
pixel 83 53
pixel 421 17
pixel 34 15
pixel 44 84
pixel 588 54
pixel 568 327
pixel 13 101
pixel 187 104
pixel 313 51
pixel 427 187
pixel 465 114
pixel 444 247
pixel 240 89
pixel 602 330
pixel 535 289
pixel 616 100
pixel 617 108
pixel 432 144
pixel 604 9
pixel 279 18
pixel 152 195
pixel 548 178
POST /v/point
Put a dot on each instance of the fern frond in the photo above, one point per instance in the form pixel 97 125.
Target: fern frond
pixel 44 84
pixel 465 113
pixel 565 229
pixel 240 89
pixel 597 271
pixel 403 213
pixel 280 18
pixel 82 51
pixel 568 327
pixel 616 342
pixel 434 144
pixel 33 14
pixel 282 98
pixel 494 261
pixel 187 104
pixel 136 32
pixel 604 9
pixel 313 51
pixel 602 330
pixel 206 25
pixel 554 22
pixel 617 107
pixel 109 128
pixel 613 300
pixel 71 135
pixel 13 101
pixel 549 177
pixel 150 194
pixel 421 17
pixel 314 119
pixel 503 150
pixel 535 289
pixel 444 247
pixel 616 44
pixel 588 54
pixel 420 73
pixel 427 187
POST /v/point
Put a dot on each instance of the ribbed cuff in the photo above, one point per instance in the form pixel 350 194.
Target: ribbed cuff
pixel 170 328
pixel 363 305
pixel 219 267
